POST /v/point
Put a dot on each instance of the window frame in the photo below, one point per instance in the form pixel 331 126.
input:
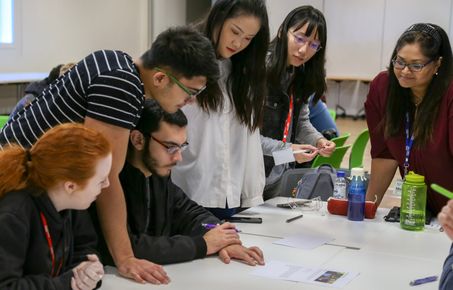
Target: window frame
pixel 15 23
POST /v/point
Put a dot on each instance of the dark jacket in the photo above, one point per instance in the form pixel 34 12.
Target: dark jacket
pixel 36 88
pixel 446 280
pixel 164 224
pixel 32 91
pixel 275 113
pixel 25 261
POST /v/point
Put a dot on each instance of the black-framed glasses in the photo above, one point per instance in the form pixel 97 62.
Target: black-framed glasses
pixel 413 67
pixel 190 92
pixel 301 40
pixel 173 148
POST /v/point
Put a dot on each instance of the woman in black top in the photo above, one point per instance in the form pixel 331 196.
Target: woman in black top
pixel 47 238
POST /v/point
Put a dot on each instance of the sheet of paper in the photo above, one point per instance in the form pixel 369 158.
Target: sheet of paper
pixel 305 241
pixel 283 156
pixel 283 271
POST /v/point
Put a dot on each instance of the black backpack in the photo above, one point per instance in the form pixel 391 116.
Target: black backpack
pixel 318 182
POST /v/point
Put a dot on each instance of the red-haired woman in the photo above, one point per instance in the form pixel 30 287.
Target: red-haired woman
pixel 47 241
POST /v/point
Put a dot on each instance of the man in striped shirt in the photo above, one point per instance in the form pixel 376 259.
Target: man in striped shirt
pixel 106 91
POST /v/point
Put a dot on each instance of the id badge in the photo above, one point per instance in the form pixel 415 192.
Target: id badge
pixel 283 156
pixel 398 187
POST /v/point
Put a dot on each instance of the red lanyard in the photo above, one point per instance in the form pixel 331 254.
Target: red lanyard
pixel 53 273
pixel 288 119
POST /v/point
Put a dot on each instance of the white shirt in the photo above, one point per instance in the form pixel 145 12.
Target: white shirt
pixel 224 161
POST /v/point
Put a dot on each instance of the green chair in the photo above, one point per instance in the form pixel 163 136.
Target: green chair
pixel 340 140
pixel 335 159
pixel 358 149
pixel 3 120
pixel 333 114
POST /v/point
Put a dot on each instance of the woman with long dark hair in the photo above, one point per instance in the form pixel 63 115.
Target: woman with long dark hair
pixel 409 112
pixel 295 74
pixel 223 168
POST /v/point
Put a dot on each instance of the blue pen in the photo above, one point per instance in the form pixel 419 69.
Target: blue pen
pixel 211 226
pixel 423 280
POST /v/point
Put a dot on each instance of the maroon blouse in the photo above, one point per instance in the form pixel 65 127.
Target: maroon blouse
pixel 434 161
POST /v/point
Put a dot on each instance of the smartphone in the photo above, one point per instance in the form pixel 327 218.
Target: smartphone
pixel 240 219
pixel 294 203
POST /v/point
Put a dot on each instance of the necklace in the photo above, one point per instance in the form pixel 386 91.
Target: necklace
pixel 417 101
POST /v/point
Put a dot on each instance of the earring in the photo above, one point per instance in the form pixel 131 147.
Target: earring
pixel 437 73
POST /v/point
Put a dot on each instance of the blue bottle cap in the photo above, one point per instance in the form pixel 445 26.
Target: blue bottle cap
pixel 340 173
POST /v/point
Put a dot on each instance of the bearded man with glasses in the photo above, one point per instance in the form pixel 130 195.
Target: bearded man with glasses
pixel 165 226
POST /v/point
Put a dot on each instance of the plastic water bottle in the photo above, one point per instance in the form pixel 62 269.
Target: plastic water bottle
pixel 356 195
pixel 339 189
pixel 413 202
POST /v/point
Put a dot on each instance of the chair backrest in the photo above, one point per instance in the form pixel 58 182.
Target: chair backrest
pixel 335 159
pixel 333 114
pixel 340 140
pixel 3 120
pixel 358 149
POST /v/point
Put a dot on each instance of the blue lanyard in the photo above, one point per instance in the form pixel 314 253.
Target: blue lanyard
pixel 409 142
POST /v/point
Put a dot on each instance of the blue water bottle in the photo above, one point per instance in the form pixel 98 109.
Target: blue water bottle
pixel 356 195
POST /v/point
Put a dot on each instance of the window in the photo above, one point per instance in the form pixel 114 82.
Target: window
pixel 6 22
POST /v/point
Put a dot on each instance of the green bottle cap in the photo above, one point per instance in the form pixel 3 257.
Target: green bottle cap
pixel 414 177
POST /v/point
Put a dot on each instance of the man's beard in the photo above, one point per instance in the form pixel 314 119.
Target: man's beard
pixel 152 165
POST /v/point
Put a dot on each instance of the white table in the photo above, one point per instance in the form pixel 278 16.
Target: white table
pixel 389 257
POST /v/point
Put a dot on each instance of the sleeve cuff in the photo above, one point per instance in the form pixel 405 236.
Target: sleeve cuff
pixel 201 247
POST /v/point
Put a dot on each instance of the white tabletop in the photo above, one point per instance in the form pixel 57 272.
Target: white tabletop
pixel 389 257
pixel 17 78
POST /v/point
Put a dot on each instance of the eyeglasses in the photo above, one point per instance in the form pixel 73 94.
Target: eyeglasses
pixel 303 39
pixel 191 93
pixel 413 67
pixel 171 149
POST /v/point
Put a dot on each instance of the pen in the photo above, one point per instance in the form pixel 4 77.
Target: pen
pixel 448 194
pixel 423 280
pixel 211 226
pixel 294 218
pixel 302 151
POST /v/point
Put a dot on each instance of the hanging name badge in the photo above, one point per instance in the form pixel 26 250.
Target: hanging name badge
pixel 398 187
pixel 283 156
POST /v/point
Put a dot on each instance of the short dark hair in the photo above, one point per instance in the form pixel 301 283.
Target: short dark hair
pixel 434 43
pixel 53 74
pixel 185 52
pixel 246 84
pixel 153 114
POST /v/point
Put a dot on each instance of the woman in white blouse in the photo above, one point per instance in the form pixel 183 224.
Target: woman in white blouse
pixel 223 167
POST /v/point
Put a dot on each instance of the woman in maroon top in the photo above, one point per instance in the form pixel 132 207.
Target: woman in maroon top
pixel 415 93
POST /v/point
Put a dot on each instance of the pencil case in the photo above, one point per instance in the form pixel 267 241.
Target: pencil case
pixel 340 207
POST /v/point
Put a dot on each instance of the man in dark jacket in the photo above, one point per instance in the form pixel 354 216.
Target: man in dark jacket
pixel 165 226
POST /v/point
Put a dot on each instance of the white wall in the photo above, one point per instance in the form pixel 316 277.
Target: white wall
pixel 278 9
pixel 399 15
pixel 362 33
pixel 59 31
pixel 167 13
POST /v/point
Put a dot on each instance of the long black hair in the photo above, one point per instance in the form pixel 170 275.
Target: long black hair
pixel 309 77
pixel 434 43
pixel 246 83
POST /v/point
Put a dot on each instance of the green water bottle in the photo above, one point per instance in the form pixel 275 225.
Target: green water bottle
pixel 413 202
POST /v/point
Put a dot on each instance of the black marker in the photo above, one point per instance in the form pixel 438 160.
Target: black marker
pixel 294 218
